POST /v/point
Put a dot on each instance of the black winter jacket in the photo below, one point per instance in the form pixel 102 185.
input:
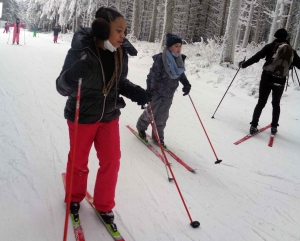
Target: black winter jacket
pixel 267 53
pixel 94 106
pixel 158 80
pixel 56 31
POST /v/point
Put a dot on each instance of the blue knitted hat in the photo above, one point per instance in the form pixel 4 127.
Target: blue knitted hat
pixel 172 39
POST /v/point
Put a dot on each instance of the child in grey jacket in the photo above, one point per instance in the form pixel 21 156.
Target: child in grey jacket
pixel 162 81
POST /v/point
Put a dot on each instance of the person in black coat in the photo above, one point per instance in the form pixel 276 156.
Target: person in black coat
pixel 269 82
pixel 56 30
pixel 99 57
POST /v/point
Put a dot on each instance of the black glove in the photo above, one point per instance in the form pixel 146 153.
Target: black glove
pixel 241 64
pixel 149 95
pixel 79 69
pixel 186 89
pixel 139 95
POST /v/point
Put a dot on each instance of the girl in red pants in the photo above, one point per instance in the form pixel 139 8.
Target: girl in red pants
pixel 17 27
pixel 56 31
pixel 98 56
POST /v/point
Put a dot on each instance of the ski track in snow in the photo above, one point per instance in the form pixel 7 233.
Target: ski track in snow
pixel 253 194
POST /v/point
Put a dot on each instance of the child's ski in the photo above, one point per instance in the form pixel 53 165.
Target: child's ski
pixel 172 154
pixel 78 232
pixel 249 135
pixel 115 235
pixel 147 144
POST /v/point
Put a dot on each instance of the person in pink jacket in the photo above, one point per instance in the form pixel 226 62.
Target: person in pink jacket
pixel 17 27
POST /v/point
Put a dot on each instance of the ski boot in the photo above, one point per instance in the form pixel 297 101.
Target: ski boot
pixel 143 136
pixel 74 209
pixel 253 130
pixel 273 130
pixel 161 142
pixel 108 218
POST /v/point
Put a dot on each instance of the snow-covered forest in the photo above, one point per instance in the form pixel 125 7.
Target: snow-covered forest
pixel 249 21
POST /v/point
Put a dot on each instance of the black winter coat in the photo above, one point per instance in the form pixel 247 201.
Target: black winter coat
pixel 56 31
pixel 160 82
pixel 267 52
pixel 94 106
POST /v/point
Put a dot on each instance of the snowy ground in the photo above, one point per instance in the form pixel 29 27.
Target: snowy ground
pixel 253 195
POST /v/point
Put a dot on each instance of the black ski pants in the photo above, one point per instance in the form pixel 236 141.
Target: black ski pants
pixel 269 83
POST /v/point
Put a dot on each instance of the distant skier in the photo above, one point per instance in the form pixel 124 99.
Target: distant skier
pixel 6 28
pixel 17 27
pixel 279 56
pixel 34 31
pixel 162 81
pixel 56 31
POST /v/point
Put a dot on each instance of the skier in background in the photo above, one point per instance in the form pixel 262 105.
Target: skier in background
pixel 99 57
pixel 162 81
pixel 56 31
pixel 34 31
pixel 17 27
pixel 270 81
pixel 6 28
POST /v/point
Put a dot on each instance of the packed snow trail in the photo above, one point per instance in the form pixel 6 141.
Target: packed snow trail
pixel 253 194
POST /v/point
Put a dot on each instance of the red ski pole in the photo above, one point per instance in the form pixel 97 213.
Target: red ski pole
pixel 194 224
pixel 69 187
pixel 218 160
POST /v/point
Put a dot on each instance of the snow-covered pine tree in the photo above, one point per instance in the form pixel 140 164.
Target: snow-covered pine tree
pixel 228 49
pixel 290 14
pixel 10 9
pixel 278 16
pixel 135 18
pixel 168 20
pixel 153 20
pixel 251 5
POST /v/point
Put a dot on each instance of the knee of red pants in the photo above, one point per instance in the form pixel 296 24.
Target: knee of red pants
pixel 80 176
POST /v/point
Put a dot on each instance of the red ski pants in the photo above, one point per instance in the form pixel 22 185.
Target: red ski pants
pixel 16 37
pixel 106 139
pixel 55 38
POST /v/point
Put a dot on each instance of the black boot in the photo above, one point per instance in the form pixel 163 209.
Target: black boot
pixel 143 136
pixel 274 130
pixel 253 130
pixel 108 218
pixel 161 142
pixel 74 209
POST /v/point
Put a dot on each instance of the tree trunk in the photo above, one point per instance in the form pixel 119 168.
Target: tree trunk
pixel 297 37
pixel 248 26
pixel 120 6
pixel 222 24
pixel 73 26
pixel 153 22
pixel 169 20
pixel 231 31
pixel 258 24
pixel 135 18
pixel 238 38
pixel 288 21
pixel 274 22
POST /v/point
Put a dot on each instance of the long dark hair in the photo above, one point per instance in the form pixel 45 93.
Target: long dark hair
pixel 104 16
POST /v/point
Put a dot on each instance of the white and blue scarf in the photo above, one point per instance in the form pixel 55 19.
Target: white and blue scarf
pixel 173 64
